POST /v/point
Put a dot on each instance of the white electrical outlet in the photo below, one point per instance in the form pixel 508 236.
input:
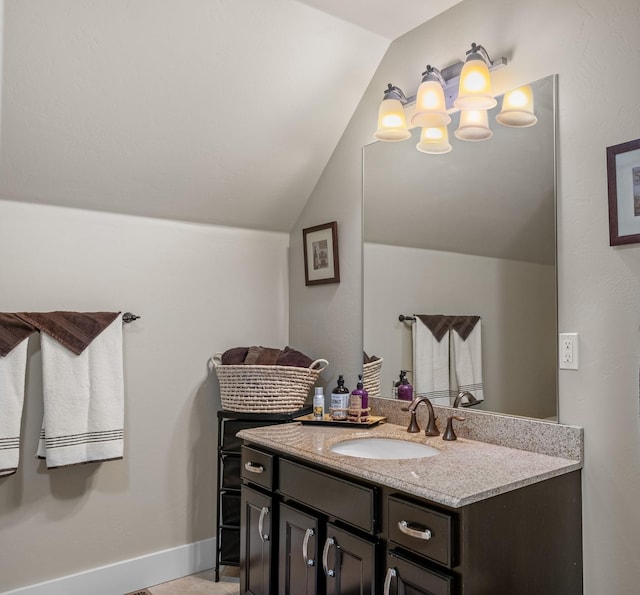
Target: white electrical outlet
pixel 568 351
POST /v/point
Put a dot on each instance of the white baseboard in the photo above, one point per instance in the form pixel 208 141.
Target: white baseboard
pixel 130 575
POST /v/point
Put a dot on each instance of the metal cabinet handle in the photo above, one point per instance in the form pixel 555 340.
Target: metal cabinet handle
pixel 391 574
pixel 325 556
pixel 425 534
pixel 249 466
pixel 264 512
pixel 305 545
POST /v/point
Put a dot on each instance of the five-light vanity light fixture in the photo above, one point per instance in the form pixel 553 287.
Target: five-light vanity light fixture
pixel 466 87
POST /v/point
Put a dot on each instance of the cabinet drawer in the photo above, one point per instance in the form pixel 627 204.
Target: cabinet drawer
pixel 257 467
pixel 422 530
pixel 415 578
pixel 352 503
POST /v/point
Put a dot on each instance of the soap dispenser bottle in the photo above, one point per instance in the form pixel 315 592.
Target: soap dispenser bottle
pixel 339 400
pixel 359 402
pixel 405 390
pixel 394 394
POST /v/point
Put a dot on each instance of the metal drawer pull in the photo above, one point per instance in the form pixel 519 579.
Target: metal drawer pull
pixel 391 574
pixel 254 468
pixel 264 512
pixel 404 527
pixel 325 555
pixel 305 545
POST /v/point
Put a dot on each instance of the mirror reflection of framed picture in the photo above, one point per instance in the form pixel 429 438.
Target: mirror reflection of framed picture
pixel 623 177
pixel 321 264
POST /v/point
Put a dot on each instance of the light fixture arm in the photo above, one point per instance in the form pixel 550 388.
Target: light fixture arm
pixel 433 74
pixel 481 53
pixel 393 92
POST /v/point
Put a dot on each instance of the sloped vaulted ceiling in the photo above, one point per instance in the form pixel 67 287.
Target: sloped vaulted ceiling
pixel 214 111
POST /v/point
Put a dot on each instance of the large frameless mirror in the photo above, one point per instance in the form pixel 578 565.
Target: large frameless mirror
pixel 470 233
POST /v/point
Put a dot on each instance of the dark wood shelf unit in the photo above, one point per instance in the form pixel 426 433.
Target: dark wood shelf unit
pixel 228 478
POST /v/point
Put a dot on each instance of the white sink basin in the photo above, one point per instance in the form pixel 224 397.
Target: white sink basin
pixel 383 448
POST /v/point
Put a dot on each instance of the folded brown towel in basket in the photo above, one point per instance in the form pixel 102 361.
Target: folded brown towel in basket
pixel 292 357
pixel 265 356
pixel 262 356
pixel 234 356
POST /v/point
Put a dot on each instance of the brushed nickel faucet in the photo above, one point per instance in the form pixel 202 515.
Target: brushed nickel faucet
pixel 432 428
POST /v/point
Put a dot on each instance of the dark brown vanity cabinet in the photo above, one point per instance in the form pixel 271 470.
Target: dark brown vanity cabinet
pixel 308 530
pixel 299 539
pixel 256 554
pixel 327 527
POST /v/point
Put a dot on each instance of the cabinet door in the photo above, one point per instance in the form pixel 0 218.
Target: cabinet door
pixel 349 563
pixel 410 578
pixel 255 542
pixel 298 552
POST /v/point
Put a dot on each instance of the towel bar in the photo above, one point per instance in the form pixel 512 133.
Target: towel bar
pixel 129 317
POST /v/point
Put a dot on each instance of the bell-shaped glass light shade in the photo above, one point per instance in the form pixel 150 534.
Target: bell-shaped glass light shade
pixel 474 91
pixel 431 109
pixel 474 125
pixel 434 140
pixel 392 123
pixel 517 108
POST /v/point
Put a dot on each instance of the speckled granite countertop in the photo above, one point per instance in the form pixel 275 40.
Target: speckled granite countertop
pixel 464 472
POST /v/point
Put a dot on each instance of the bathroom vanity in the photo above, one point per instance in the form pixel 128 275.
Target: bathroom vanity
pixel 476 519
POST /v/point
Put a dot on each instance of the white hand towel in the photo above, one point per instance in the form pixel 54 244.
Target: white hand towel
pixel 83 400
pixel 467 355
pixel 12 376
pixel 430 364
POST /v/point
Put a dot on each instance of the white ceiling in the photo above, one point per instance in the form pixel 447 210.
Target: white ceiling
pixel 216 111
pixel 389 19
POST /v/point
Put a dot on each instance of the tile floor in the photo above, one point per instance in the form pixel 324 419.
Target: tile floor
pixel 201 584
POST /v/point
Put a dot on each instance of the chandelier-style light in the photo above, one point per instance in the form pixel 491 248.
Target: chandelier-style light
pixel 475 81
pixel 517 108
pixel 434 141
pixel 465 87
pixel 392 123
pixel 431 107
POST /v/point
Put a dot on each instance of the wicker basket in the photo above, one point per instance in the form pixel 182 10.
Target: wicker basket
pixel 265 389
pixel 371 377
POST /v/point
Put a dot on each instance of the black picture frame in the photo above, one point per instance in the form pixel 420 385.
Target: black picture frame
pixel 623 180
pixel 321 260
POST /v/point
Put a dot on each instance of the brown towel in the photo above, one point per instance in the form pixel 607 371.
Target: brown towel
pixel 463 325
pixel 74 330
pixel 13 330
pixel 262 356
pixel 234 356
pixel 438 324
pixel 293 357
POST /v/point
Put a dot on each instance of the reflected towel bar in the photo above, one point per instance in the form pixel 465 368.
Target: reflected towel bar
pixel 403 318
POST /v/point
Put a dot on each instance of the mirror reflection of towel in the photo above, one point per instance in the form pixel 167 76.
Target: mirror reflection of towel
pixel 467 360
pixel 431 360
pixel 447 357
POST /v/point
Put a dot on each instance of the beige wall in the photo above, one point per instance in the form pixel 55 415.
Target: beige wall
pixel 592 45
pixel 199 289
pixel 516 301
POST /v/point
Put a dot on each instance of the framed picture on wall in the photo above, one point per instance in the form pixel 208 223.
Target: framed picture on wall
pixel 623 177
pixel 321 263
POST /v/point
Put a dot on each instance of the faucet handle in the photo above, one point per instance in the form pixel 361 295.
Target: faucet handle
pixel 449 434
pixel 413 428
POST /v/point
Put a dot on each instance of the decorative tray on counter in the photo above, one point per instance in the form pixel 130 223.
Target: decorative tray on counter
pixel 373 420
